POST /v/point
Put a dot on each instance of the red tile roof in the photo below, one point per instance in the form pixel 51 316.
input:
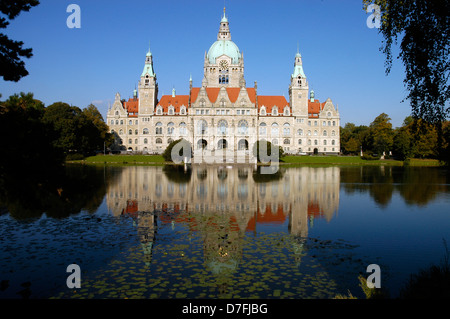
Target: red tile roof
pixel 314 108
pixel 233 94
pixel 132 106
pixel 176 102
pixel 270 101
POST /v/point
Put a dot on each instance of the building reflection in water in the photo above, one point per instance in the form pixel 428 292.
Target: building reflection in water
pixel 223 203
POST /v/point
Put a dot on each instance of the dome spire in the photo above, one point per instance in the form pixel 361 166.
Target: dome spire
pixel 224 29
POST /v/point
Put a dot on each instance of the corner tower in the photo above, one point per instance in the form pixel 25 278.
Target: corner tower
pixel 298 89
pixel 224 63
pixel 148 88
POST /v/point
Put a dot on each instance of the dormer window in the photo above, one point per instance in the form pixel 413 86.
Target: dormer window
pixel 274 110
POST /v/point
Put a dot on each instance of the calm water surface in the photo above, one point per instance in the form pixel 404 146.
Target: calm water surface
pixel 212 232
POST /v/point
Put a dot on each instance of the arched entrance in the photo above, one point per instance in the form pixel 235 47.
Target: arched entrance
pixel 202 144
pixel 222 144
pixel 243 145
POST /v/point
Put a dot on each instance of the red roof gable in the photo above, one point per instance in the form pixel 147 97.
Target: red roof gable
pixel 233 94
pixel 132 106
pixel 314 108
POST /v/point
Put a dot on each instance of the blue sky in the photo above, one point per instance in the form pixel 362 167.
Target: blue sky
pixel 341 56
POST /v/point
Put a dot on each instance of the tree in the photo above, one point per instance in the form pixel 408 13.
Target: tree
pixel 262 150
pixel 424 50
pixel 424 28
pixel 381 133
pixel 27 147
pixel 12 68
pixel 78 131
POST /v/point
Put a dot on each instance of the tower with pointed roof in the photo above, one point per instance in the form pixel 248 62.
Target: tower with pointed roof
pixel 298 89
pixel 148 87
pixel 224 63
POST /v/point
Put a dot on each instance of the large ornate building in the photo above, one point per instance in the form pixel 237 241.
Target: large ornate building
pixel 224 115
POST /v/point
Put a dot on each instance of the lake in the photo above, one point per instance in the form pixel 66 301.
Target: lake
pixel 222 231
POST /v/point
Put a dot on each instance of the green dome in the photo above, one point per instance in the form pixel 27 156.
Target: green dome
pixel 221 47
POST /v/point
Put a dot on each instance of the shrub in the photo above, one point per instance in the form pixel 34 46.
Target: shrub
pixel 74 157
pixel 185 145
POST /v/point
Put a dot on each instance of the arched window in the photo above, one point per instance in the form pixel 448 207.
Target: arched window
pixel 145 131
pixel 136 141
pixel 158 141
pixel 130 122
pixel 286 141
pixel 136 132
pixel 130 132
pixel 243 127
pixel 222 127
pixel 145 141
pixel 183 110
pixel 171 110
pixel 169 140
pixel 117 122
pixel 333 133
pixel 159 128
pixel 286 129
pixel 262 129
pixel 333 142
pixel 117 112
pixel 309 133
pixel 159 110
pixel 182 128
pixel 325 133
pixel 121 132
pixel 329 114
pixel 274 110
pixel 334 123
pixel 130 141
pixel 324 142
pixel 286 111
pixel 112 122
pixel 300 132
pixel 202 127
pixel 274 129
pixel 299 142
pixel 315 142
pixel 170 128
pixel 315 133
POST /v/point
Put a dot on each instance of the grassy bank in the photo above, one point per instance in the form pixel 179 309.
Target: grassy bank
pixel 287 160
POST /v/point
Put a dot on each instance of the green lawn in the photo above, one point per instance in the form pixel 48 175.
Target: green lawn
pixel 287 160
pixel 124 159
pixel 342 160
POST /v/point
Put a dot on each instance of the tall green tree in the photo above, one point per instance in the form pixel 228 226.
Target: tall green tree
pixel 78 131
pixel 381 134
pixel 423 29
pixel 27 145
pixel 12 68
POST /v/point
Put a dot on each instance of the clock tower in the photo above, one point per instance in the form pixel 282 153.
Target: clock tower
pixel 224 63
pixel 148 88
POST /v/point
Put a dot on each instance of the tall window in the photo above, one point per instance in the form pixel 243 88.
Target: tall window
pixel 159 128
pixel 243 127
pixel 262 129
pixel 222 127
pixel 202 127
pixel 145 131
pixel 182 128
pixel 286 129
pixel 274 129
pixel 170 128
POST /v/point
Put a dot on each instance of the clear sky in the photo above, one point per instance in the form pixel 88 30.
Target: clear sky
pixel 341 56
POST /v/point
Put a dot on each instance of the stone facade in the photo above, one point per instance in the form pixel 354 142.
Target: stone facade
pixel 224 115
